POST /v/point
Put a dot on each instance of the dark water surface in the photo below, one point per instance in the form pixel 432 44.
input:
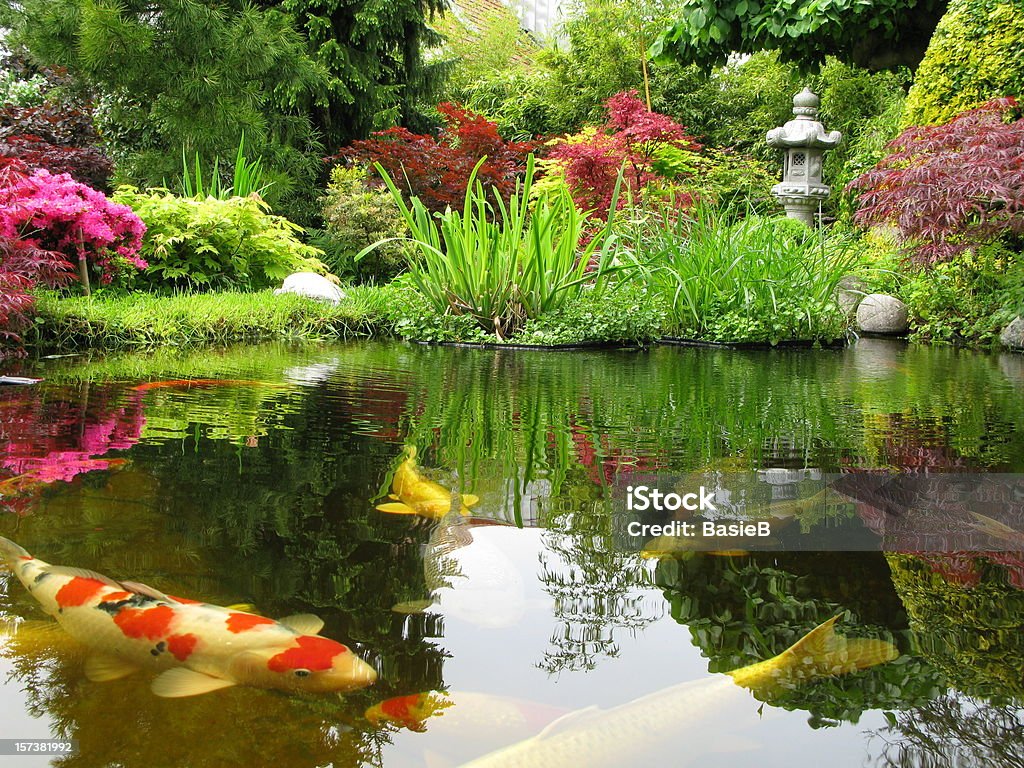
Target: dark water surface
pixel 251 475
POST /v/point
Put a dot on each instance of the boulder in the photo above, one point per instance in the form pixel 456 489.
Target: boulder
pixel 883 314
pixel 313 286
pixel 849 293
pixel 1013 334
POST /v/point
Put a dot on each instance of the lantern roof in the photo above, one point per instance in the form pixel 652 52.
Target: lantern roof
pixel 804 130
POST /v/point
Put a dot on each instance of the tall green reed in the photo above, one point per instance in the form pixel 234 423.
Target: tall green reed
pixel 752 279
pixel 248 177
pixel 504 262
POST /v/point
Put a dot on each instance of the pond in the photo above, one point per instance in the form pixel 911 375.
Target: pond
pixel 253 476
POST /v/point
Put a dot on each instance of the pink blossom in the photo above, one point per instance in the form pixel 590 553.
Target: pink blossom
pixel 57 213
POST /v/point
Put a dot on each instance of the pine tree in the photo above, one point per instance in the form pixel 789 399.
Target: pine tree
pixel 374 53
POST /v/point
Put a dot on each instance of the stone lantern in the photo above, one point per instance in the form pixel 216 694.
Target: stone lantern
pixel 805 142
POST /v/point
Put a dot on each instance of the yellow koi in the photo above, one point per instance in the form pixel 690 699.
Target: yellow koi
pixel 597 738
pixel 413 494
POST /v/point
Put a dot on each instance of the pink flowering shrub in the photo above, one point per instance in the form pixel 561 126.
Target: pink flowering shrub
pixel 631 139
pixel 56 213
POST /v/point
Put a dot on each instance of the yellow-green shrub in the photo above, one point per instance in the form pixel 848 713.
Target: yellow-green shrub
pixel 976 54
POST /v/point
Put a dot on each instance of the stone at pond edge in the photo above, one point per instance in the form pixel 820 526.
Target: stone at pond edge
pixel 849 292
pixel 313 286
pixel 1013 334
pixel 881 313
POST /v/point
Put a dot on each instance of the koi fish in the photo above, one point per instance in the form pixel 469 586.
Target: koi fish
pixel 409 711
pixel 201 383
pixel 997 530
pixel 196 646
pixel 413 494
pixel 594 737
pixel 679 546
pixel 464 713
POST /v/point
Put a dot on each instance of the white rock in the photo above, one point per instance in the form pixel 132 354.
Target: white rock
pixel 1013 334
pixel 881 313
pixel 312 286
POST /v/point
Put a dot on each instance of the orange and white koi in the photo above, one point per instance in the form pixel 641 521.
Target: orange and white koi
pixel 413 494
pixel 197 647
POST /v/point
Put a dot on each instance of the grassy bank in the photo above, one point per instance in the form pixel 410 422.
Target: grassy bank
pixel 141 320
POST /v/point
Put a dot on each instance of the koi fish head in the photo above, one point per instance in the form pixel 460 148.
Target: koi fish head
pixel 310 663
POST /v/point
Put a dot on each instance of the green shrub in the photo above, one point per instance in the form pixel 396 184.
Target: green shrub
pixel 976 54
pixel 966 301
pixel 759 279
pixel 627 313
pixel 357 216
pixel 234 243
pixel 504 262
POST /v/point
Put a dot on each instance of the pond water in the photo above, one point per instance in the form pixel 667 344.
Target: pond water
pixel 253 476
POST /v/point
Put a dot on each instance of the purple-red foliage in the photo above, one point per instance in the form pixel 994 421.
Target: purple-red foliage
pixel 950 187
pixel 85 164
pixel 58 137
pixel 629 140
pixel 437 168
pixel 24 265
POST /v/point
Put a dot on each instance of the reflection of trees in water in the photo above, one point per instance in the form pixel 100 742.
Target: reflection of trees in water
pixel 954 731
pixel 595 588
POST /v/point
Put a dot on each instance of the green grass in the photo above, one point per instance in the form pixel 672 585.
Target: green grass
pixel 144 320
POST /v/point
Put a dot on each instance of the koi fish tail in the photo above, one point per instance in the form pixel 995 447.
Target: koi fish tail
pixel 10 552
pixel 819 653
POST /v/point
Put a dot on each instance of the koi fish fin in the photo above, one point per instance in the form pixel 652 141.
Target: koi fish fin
pixel 9 551
pixel 469 500
pixel 303 623
pixel 180 682
pixel 64 570
pixel 413 606
pixel 143 589
pixel 819 653
pixel 244 608
pixel 100 668
pixel 992 527
pixel 568 720
pixel 396 508
pixel 394 496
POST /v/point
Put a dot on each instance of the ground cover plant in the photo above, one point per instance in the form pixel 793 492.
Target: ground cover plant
pixel 503 261
pixel 756 279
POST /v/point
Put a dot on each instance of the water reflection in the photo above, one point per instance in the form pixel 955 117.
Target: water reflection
pixel 262 489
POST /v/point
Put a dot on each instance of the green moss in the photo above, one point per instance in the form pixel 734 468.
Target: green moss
pixel 976 54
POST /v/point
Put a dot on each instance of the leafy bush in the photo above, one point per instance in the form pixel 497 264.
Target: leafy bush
pixel 23 266
pixel 57 135
pixel 968 300
pixel 436 169
pixel 17 92
pixel 754 280
pixel 951 187
pixel 87 165
pixel 57 213
pixel 975 55
pixel 503 263
pixel 215 243
pixel 356 216
pixel 626 313
pixel 629 143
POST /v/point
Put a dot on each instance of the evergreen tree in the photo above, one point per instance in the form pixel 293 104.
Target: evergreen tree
pixel 373 51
